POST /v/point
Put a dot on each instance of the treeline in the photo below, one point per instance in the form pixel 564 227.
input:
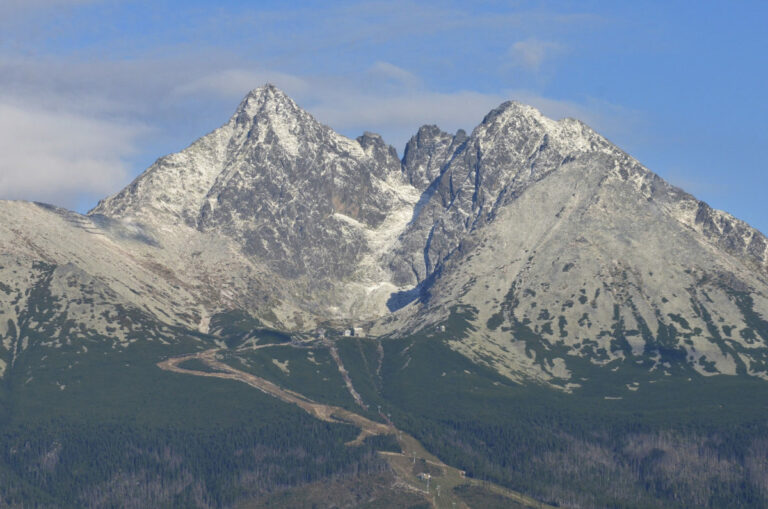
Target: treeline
pixel 66 465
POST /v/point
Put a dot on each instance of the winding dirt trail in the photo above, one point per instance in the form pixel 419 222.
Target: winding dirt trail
pixel 403 464
pixel 327 413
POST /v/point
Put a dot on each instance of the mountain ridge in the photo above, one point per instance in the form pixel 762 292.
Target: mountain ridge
pixel 277 215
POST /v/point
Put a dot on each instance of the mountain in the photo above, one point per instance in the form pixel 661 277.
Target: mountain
pixel 546 231
pixel 543 229
pixel 528 261
pixel 311 208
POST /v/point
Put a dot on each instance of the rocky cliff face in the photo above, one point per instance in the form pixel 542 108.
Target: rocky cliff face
pixel 310 206
pixel 556 247
pixel 279 183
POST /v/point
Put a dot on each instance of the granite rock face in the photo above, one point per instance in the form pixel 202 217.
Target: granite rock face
pixel 428 152
pixel 556 247
pixel 274 180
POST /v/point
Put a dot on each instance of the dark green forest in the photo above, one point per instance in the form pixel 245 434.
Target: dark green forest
pixel 124 433
pixel 108 428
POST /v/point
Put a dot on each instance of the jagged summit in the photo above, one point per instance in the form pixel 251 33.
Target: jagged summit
pixel 267 130
pixel 264 94
pixel 512 108
pixel 427 152
pixel 525 118
pixel 269 100
pixel 513 118
pixel 273 116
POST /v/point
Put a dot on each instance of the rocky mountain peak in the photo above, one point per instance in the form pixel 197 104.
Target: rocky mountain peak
pixel 427 152
pixel 268 117
pixel 510 109
pixel 266 99
pixel 289 192
pixel 522 125
pixel 268 136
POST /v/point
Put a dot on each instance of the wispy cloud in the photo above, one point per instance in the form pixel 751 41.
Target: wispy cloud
pixel 59 156
pixel 75 117
pixel 69 131
pixel 398 116
pixel 234 83
pixel 696 184
pixel 390 74
pixel 530 54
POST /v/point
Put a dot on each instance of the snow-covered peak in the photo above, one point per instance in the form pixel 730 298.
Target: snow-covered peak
pixel 519 116
pixel 268 100
pixel 509 109
pixel 268 116
pixel 522 121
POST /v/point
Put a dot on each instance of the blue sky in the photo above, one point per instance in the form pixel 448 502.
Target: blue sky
pixel 92 92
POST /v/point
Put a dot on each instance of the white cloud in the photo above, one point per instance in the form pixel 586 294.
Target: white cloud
pixel 531 53
pixel 397 116
pixel 60 156
pixel 390 73
pixel 72 126
pixel 693 182
pixel 70 129
pixel 235 83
